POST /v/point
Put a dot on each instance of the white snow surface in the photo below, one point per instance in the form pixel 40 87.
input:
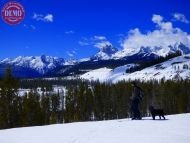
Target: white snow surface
pixel 175 129
pixel 169 70
pixel 98 74
pixel 106 74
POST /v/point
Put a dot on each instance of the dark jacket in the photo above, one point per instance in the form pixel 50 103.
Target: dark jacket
pixel 137 93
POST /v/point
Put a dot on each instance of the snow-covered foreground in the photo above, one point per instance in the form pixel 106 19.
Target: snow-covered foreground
pixel 175 129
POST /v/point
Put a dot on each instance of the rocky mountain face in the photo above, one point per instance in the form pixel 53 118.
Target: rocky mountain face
pixel 105 53
pixel 31 66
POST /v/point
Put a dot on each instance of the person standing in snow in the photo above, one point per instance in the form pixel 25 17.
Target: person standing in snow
pixel 136 98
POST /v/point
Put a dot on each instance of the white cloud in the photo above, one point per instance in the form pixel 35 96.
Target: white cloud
pixel 102 44
pixel 30 26
pixel 83 43
pixel 74 52
pixel 44 18
pixel 100 38
pixel 69 32
pixel 71 53
pixel 163 36
pixel 38 17
pixel 99 42
pixel 48 18
pixel 180 17
pixel 157 19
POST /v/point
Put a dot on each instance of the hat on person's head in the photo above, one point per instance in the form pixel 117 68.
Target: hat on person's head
pixel 133 83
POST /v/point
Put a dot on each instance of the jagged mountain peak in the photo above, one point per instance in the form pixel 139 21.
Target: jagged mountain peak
pixel 156 50
pixel 109 49
pixel 41 64
pixel 105 53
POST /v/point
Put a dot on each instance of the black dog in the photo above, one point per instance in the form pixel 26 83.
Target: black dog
pixel 156 112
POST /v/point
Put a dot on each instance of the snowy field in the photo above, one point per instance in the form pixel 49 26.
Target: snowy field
pixel 176 129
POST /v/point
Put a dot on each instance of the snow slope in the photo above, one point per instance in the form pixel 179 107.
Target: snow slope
pixel 106 74
pixel 178 67
pixel 169 70
pixel 98 74
pixel 175 129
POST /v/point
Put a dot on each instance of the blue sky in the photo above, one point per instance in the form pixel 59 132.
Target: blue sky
pixel 67 28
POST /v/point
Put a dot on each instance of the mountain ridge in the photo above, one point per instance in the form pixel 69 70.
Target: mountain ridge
pixel 45 66
pixel 38 64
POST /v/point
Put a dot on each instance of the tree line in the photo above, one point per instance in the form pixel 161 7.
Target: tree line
pixel 31 109
pixel 103 101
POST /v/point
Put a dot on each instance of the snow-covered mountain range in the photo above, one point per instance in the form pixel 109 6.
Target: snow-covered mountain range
pixel 39 64
pixel 108 56
pixel 176 68
pixel 157 50
pixel 109 52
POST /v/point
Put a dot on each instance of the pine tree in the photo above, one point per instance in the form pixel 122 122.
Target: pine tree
pixel 31 112
pixel 45 105
pixel 55 105
pixel 8 99
pixel 69 112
